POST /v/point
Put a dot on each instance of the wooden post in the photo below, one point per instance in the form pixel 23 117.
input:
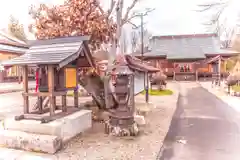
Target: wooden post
pixel 174 73
pixel 51 84
pixel 219 70
pixel 19 74
pixel 76 98
pixel 132 92
pixel 76 91
pixel 25 89
pixel 40 104
pixel 106 90
pixel 196 71
pixel 64 103
pixel 196 75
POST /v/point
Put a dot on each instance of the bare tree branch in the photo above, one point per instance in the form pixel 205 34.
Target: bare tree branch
pixel 209 6
pixel 134 2
pixel 110 10
pixel 135 15
pixel 214 20
pixel 134 25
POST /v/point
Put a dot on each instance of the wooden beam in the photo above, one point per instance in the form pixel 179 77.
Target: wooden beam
pixel 47 119
pixel 51 85
pixel 25 89
pixel 33 94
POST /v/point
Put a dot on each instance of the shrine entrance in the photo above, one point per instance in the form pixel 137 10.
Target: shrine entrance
pixel 184 71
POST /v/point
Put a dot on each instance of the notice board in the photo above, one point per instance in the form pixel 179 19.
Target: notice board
pixel 70 77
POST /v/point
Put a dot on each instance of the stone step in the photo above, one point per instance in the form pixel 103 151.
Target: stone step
pixel 30 142
pixel 65 128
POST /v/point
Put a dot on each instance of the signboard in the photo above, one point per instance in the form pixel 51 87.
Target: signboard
pixel 138 82
pixel 70 77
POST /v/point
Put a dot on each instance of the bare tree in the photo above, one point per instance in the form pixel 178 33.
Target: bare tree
pixel 16 29
pixel 217 21
pixel 79 17
pixel 121 20
pixel 136 39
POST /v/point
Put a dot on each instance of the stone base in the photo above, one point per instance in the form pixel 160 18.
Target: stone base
pixel 143 108
pixel 139 120
pixel 64 129
pixel 30 142
pixel 117 131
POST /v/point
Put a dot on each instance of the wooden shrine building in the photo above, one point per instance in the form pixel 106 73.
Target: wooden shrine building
pixel 10 47
pixel 187 57
pixel 56 61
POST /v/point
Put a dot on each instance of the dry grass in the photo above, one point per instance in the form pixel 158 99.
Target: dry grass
pixel 157 92
pixel 236 88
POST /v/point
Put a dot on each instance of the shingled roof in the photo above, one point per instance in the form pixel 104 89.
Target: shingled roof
pixel 12 48
pixel 59 51
pixel 136 64
pixel 196 46
pixel 9 45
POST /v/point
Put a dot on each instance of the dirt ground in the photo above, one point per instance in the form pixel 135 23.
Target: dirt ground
pixel 96 145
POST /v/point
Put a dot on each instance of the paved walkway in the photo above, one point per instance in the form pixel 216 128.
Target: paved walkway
pixel 11 104
pixel 203 128
pixel 232 101
pixel 14 86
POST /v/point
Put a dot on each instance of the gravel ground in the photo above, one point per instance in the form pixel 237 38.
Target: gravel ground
pixel 95 145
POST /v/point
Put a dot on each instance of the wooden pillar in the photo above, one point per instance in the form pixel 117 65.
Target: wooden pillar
pixel 196 71
pixel 40 104
pixel 1 76
pixel 76 90
pixel 51 84
pixel 25 89
pixel 174 72
pixel 64 103
pixel 132 94
pixel 106 91
pixel 219 70
pixel 196 75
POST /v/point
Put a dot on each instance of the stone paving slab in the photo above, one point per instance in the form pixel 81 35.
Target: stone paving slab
pixel 13 154
pixel 30 142
pixel 14 87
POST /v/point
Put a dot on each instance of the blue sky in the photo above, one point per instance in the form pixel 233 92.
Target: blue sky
pixel 169 17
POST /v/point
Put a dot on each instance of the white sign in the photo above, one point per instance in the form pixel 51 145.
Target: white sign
pixel 138 82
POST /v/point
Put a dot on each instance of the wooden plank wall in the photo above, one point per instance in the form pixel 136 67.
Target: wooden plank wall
pixel 168 66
